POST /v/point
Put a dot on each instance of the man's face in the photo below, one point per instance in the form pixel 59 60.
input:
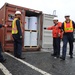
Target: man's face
pixel 67 18
pixel 55 21
pixel 18 16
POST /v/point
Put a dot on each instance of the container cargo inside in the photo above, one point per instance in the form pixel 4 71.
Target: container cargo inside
pixel 33 22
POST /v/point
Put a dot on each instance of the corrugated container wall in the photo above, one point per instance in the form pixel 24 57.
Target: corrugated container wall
pixel 47 34
pixel 7 13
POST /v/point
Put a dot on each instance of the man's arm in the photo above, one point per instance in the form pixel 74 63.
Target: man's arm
pixel 62 27
pixel 1 25
pixel 73 24
pixel 49 28
pixel 19 28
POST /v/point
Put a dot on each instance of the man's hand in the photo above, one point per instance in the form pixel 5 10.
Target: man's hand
pixel 20 37
pixel 45 28
pixel 5 25
pixel 59 35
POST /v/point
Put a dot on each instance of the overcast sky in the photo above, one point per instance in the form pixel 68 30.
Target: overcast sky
pixel 62 7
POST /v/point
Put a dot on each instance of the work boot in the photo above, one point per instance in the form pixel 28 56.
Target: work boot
pixel 62 58
pixel 3 60
pixel 53 55
pixel 57 56
pixel 71 56
pixel 21 57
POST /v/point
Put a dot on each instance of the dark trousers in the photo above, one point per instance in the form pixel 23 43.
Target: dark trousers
pixel 17 45
pixel 56 46
pixel 67 38
pixel 1 56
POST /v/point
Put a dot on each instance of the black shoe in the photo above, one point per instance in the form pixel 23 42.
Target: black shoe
pixel 57 56
pixel 53 55
pixel 21 57
pixel 3 60
pixel 62 58
pixel 71 56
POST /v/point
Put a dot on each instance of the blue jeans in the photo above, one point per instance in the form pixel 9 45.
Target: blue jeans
pixel 1 56
pixel 17 45
pixel 67 38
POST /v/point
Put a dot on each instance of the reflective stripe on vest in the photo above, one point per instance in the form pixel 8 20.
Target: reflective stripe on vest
pixel 14 27
pixel 68 29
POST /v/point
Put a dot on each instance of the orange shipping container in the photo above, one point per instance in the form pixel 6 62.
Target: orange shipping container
pixel 7 13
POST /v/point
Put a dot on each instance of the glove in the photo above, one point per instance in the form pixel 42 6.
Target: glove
pixel 20 37
pixel 45 28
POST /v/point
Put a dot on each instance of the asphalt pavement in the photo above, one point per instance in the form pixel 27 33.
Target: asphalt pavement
pixel 40 60
pixel 1 73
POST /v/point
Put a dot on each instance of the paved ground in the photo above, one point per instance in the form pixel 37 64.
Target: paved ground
pixel 1 73
pixel 40 60
pixel 18 68
pixel 51 65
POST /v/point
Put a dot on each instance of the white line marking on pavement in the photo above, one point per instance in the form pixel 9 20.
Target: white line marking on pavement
pixel 4 69
pixel 29 65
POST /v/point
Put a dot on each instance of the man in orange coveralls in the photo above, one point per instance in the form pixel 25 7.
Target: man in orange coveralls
pixel 57 35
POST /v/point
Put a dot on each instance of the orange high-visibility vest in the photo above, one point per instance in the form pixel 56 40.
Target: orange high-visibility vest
pixel 14 26
pixel 68 27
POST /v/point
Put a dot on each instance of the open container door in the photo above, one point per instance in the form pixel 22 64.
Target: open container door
pixel 47 34
pixel 32 30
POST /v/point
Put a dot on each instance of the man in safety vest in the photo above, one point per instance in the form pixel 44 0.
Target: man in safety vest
pixel 57 35
pixel 2 60
pixel 67 28
pixel 17 35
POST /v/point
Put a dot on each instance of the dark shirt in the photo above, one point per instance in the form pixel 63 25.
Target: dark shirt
pixel 1 26
pixel 63 27
pixel 19 27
